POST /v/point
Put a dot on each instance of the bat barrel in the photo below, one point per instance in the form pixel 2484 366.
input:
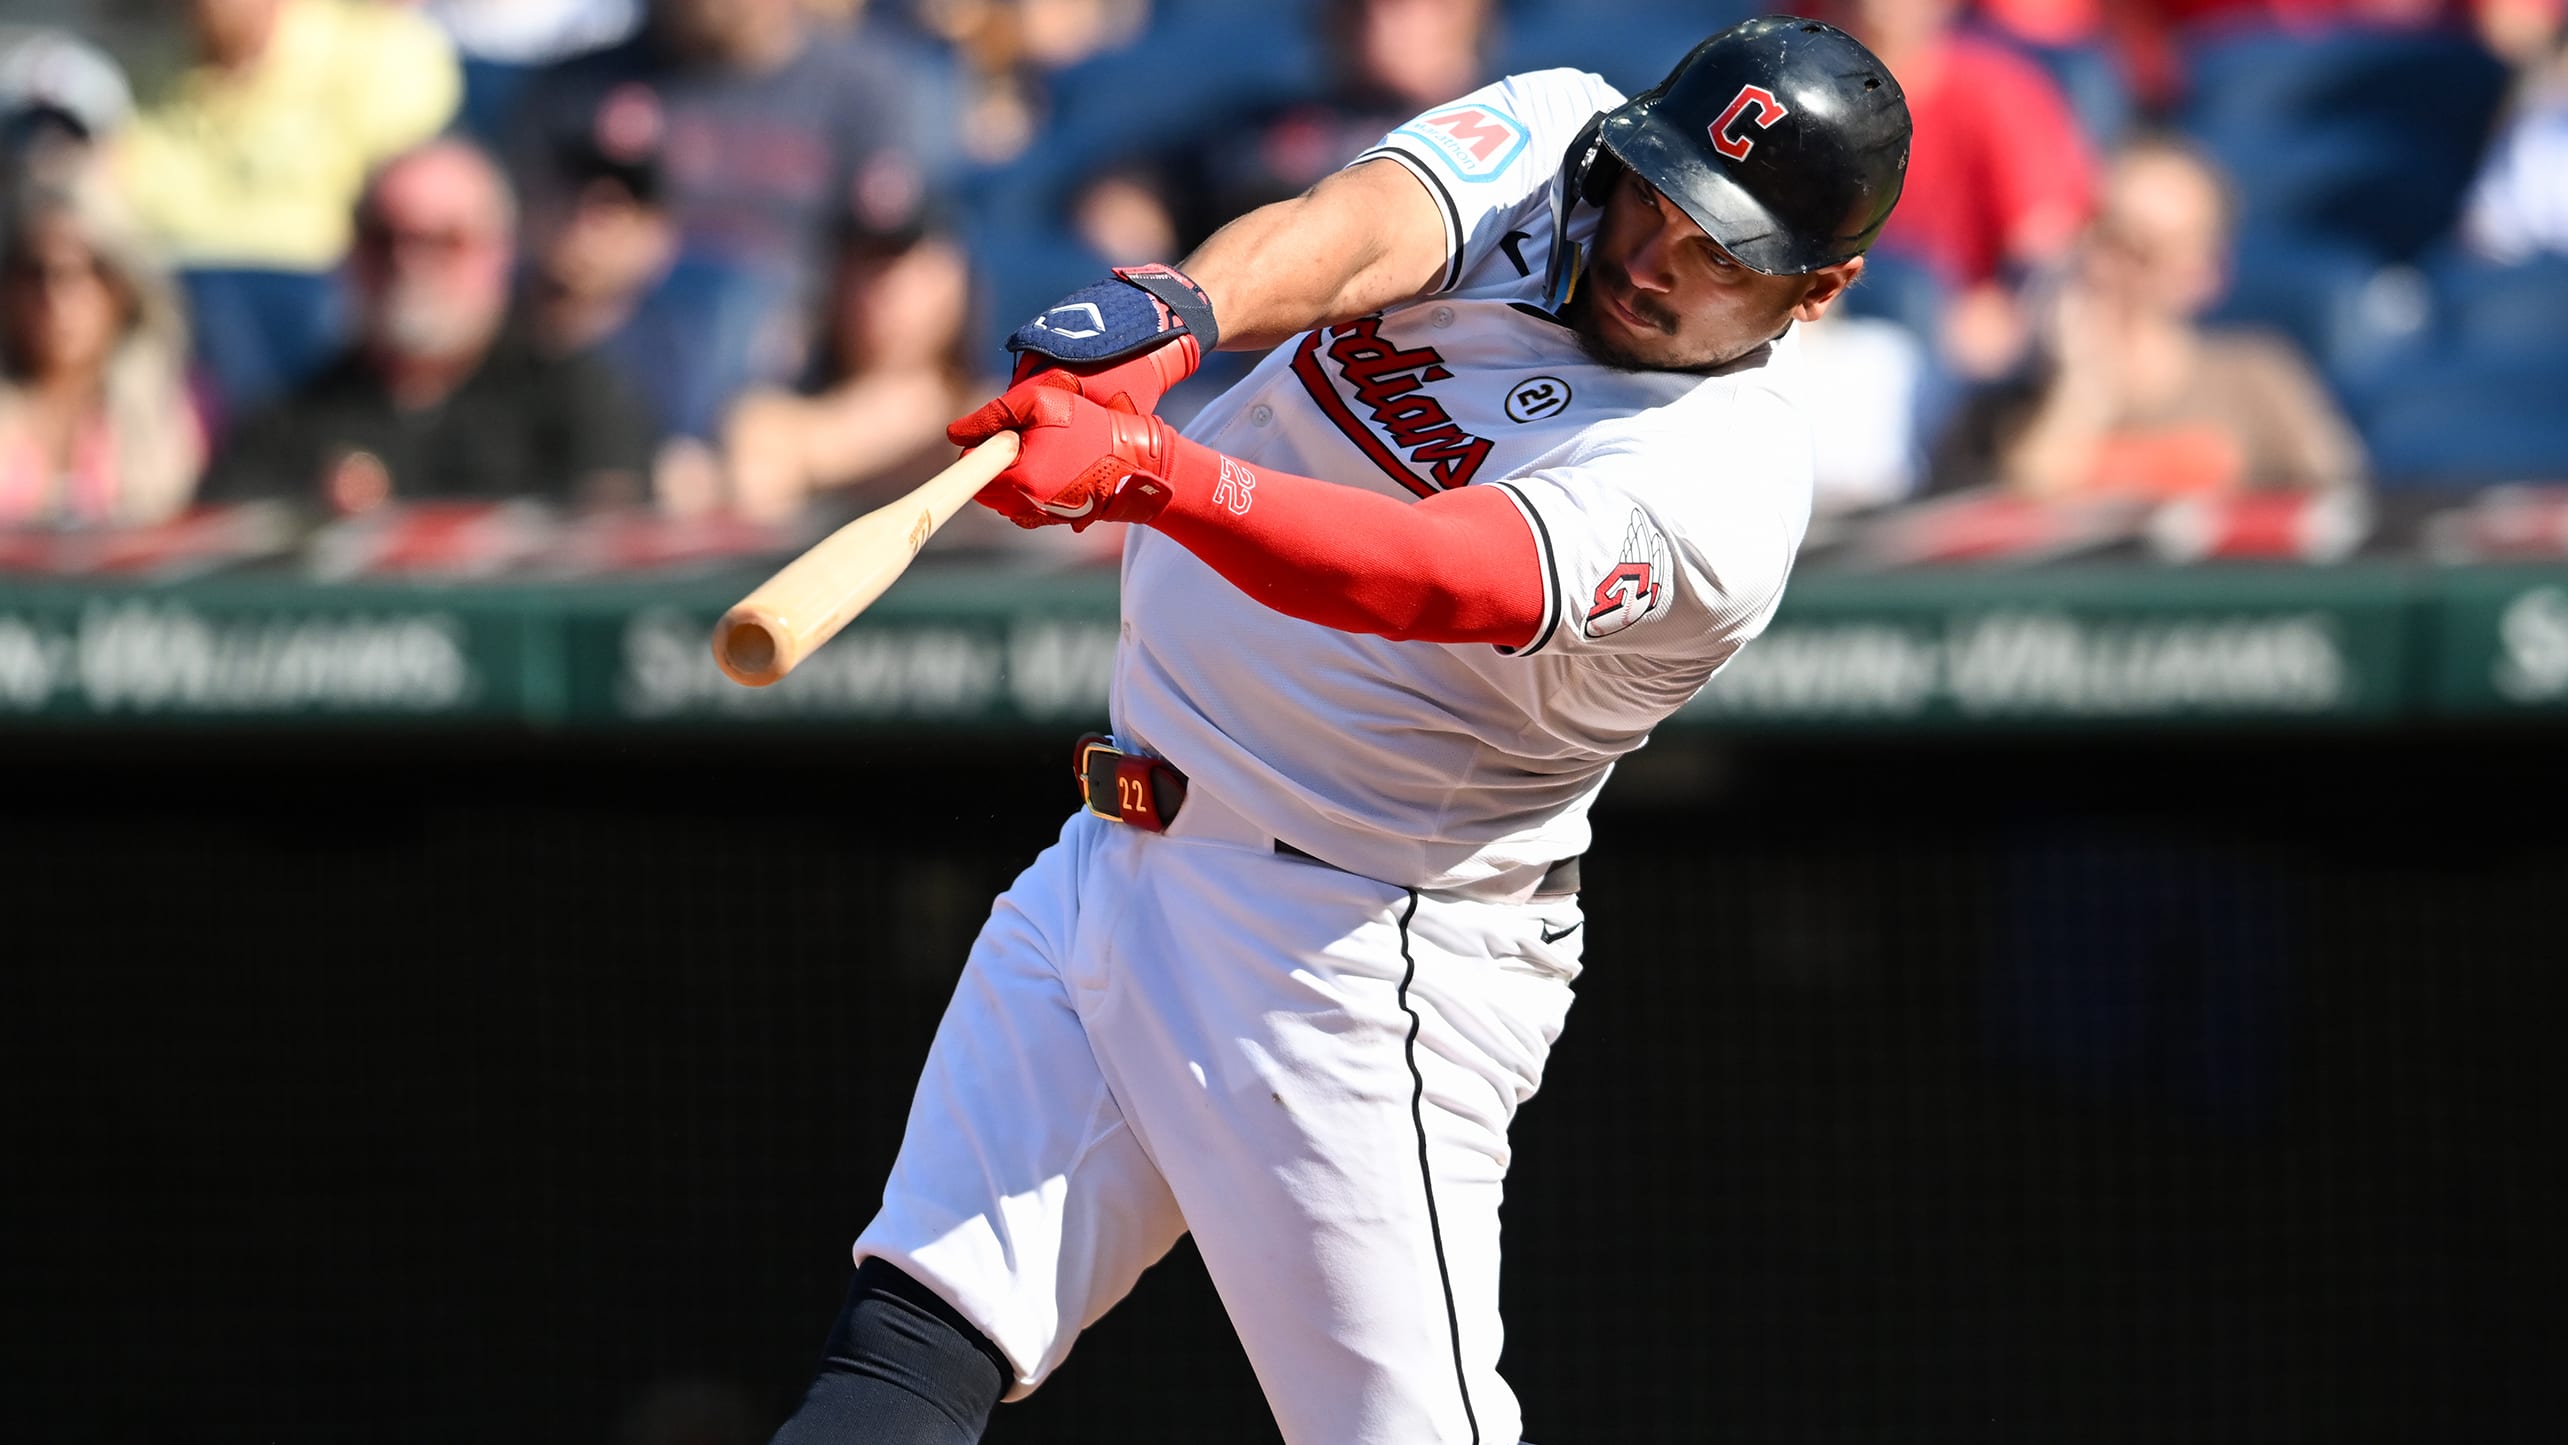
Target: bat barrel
pixel 750 647
pixel 775 627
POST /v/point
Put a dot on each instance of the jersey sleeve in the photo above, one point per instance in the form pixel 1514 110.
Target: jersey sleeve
pixel 1657 546
pixel 1483 156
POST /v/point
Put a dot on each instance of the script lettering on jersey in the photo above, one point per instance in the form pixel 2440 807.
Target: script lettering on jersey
pixel 1400 416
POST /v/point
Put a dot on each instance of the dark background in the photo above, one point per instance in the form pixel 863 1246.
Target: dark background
pixel 2134 1087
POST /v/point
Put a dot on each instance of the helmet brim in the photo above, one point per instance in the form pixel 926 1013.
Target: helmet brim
pixel 1673 163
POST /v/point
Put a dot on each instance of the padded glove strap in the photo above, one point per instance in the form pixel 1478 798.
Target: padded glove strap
pixel 1136 309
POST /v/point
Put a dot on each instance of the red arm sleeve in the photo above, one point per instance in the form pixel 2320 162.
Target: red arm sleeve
pixel 1460 566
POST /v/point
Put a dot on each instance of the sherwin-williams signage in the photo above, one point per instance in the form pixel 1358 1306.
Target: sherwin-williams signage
pixel 958 645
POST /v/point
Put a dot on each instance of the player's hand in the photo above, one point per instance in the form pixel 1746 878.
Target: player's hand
pixel 1126 340
pixel 1134 385
pixel 1080 462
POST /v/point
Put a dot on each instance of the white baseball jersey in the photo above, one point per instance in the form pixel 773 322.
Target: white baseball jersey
pixel 1312 1068
pixel 1666 509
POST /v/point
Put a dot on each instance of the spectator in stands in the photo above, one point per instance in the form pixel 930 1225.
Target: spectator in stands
pixel 440 397
pixel 2518 206
pixel 1392 59
pixel 1999 179
pixel 253 155
pixel 598 245
pixel 2148 36
pixel 606 276
pixel 894 364
pixel 533 32
pixel 1009 49
pixel 59 97
pixel 96 425
pixel 2071 40
pixel 1874 374
pixel 766 119
pixel 2523 33
pixel 2139 401
pixel 504 42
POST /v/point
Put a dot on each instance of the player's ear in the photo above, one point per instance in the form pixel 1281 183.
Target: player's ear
pixel 1826 285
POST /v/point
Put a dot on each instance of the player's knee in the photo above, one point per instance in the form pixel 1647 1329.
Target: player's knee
pixel 902 1367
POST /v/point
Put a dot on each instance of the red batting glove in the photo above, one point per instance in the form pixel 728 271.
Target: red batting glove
pixel 1080 462
pixel 1134 384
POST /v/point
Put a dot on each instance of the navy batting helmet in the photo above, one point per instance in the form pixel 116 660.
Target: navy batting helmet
pixel 1785 139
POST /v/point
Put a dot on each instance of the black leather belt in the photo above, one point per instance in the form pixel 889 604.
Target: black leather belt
pixel 1146 792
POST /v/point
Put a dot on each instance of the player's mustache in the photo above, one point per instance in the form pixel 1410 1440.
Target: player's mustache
pixel 1612 276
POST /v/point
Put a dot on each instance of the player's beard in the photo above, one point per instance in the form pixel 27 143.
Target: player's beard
pixel 1585 318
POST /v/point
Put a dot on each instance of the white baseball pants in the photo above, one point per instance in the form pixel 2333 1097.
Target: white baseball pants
pixel 1311 1071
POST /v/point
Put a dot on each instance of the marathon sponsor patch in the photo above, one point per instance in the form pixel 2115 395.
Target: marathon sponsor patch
pixel 1475 142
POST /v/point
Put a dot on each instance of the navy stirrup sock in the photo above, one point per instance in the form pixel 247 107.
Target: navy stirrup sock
pixel 902 1367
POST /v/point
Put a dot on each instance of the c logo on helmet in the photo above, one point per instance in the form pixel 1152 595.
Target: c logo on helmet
pixel 1769 110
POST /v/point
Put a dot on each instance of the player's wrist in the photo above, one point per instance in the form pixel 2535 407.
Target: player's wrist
pixel 1189 308
pixel 1203 485
pixel 1126 340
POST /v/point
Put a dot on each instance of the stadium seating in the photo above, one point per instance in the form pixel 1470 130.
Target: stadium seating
pixel 1633 52
pixel 2504 310
pixel 708 331
pixel 2091 78
pixel 259 333
pixel 2467 420
pixel 2367 136
pixel 2480 399
pixel 491 88
pixel 1191 71
pixel 2357 318
pixel 1023 266
pixel 1902 289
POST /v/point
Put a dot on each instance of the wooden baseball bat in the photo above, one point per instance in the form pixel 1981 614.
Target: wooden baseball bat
pixel 794 612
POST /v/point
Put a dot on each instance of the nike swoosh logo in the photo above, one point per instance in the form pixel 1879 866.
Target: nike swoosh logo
pixel 1551 937
pixel 1073 513
pixel 1513 244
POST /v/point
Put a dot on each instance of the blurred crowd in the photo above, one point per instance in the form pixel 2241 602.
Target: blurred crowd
pixel 743 258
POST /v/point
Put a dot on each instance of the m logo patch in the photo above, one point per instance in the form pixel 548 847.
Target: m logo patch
pixel 1474 141
pixel 1636 587
pixel 1726 136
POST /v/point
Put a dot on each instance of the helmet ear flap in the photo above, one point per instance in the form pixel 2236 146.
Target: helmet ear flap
pixel 1602 173
pixel 1597 167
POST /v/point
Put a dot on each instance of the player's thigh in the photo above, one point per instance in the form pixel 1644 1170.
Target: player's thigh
pixel 1020 1194
pixel 1328 1081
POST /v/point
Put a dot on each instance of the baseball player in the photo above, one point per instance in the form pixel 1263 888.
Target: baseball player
pixel 1524 468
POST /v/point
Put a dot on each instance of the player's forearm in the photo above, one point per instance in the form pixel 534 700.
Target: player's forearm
pixel 1458 567
pixel 1270 280
pixel 1365 238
